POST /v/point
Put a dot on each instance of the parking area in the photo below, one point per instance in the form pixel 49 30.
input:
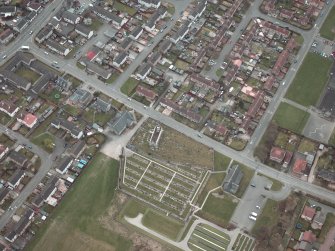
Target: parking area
pixel 323 47
pixel 205 237
pixel 318 128
pixel 253 201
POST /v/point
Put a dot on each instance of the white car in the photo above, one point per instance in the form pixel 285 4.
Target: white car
pixel 30 32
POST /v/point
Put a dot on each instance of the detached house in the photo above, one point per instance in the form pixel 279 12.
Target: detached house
pixel 27 119
pixel 68 126
pixel 308 213
pixel 9 108
pixel 7 11
pixel 150 3
pixel 84 31
pixel 70 17
pixel 6 36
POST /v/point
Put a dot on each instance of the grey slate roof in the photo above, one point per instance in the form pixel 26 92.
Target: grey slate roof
pixel 121 121
pixel 232 180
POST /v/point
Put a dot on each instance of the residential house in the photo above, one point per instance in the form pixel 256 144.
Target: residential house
pixel 44 34
pixel 197 11
pixel 56 47
pixel 109 16
pixel 181 32
pixel 136 33
pixel 27 119
pixel 165 46
pixel 84 31
pixel 300 166
pixel 150 3
pixel 49 189
pixel 308 213
pixel 68 126
pixel 7 11
pixel 15 180
pixel 233 179
pixel 154 58
pixel 318 220
pixel 308 236
pixel 9 108
pixel 6 36
pixel 120 59
pixel 21 226
pixel 77 149
pixel 34 6
pixel 126 44
pixel 3 150
pixel 121 122
pixel 70 17
pixel 287 159
pixel 277 154
pixel 18 158
pixel 65 165
pixel 101 105
pixel 326 175
pixel 143 71
pixel 16 80
pixel 21 25
pixel 147 93
pixel 80 98
pixel 4 192
pixel 99 71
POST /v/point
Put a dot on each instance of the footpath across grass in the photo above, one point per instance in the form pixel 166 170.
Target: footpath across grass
pixel 310 80
pixel 328 28
pixel 77 217
pixel 290 117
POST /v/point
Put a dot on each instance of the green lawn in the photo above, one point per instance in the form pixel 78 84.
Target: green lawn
pixel 268 218
pixel 310 80
pixel 219 210
pixel 276 184
pixel 132 209
pixel 327 29
pixel 124 8
pixel 28 74
pixel 72 110
pixel 290 117
pixel 162 224
pixel 221 162
pixel 45 141
pixel 112 78
pixel 75 224
pixel 129 86
pixel 96 24
pixel 248 173
pixel 215 180
pixel 101 118
pixel 330 222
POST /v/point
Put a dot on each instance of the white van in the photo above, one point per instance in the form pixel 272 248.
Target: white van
pixel 252 218
pixel 254 214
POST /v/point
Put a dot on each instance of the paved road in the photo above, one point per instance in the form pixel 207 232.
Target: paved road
pixel 46 164
pixel 241 157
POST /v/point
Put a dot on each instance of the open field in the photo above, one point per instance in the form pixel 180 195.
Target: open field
pixel 170 189
pixel 27 74
pixel 162 224
pixel 124 8
pixel 185 151
pixel 45 141
pixel 269 216
pixel 310 80
pixel 74 224
pixel 221 162
pixel 219 208
pixel 205 237
pixel 129 86
pixel 290 117
pixel 215 181
pixel 328 27
pixel 243 243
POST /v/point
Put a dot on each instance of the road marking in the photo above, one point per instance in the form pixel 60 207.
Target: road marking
pixel 214 233
pixel 209 242
pixel 138 182
pixel 167 187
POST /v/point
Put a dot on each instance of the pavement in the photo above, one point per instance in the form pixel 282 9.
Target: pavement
pixel 46 164
pixel 113 91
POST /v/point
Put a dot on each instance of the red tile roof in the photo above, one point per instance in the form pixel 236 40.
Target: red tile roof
pixel 269 83
pixel 281 61
pixel 277 154
pixel 145 92
pixel 299 166
pixel 308 213
pixel 308 236
pixel 256 104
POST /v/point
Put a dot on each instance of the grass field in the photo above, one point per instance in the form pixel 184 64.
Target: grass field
pixel 205 237
pixel 101 118
pixel 290 117
pixel 329 222
pixel 74 224
pixel 129 86
pixel 327 28
pixel 124 8
pixel 310 80
pixel 45 141
pixel 162 224
pixel 276 184
pixel 268 218
pixel 248 173
pixel 27 74
pixel 221 162
pixel 185 150
pixel 215 180
pixel 219 209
